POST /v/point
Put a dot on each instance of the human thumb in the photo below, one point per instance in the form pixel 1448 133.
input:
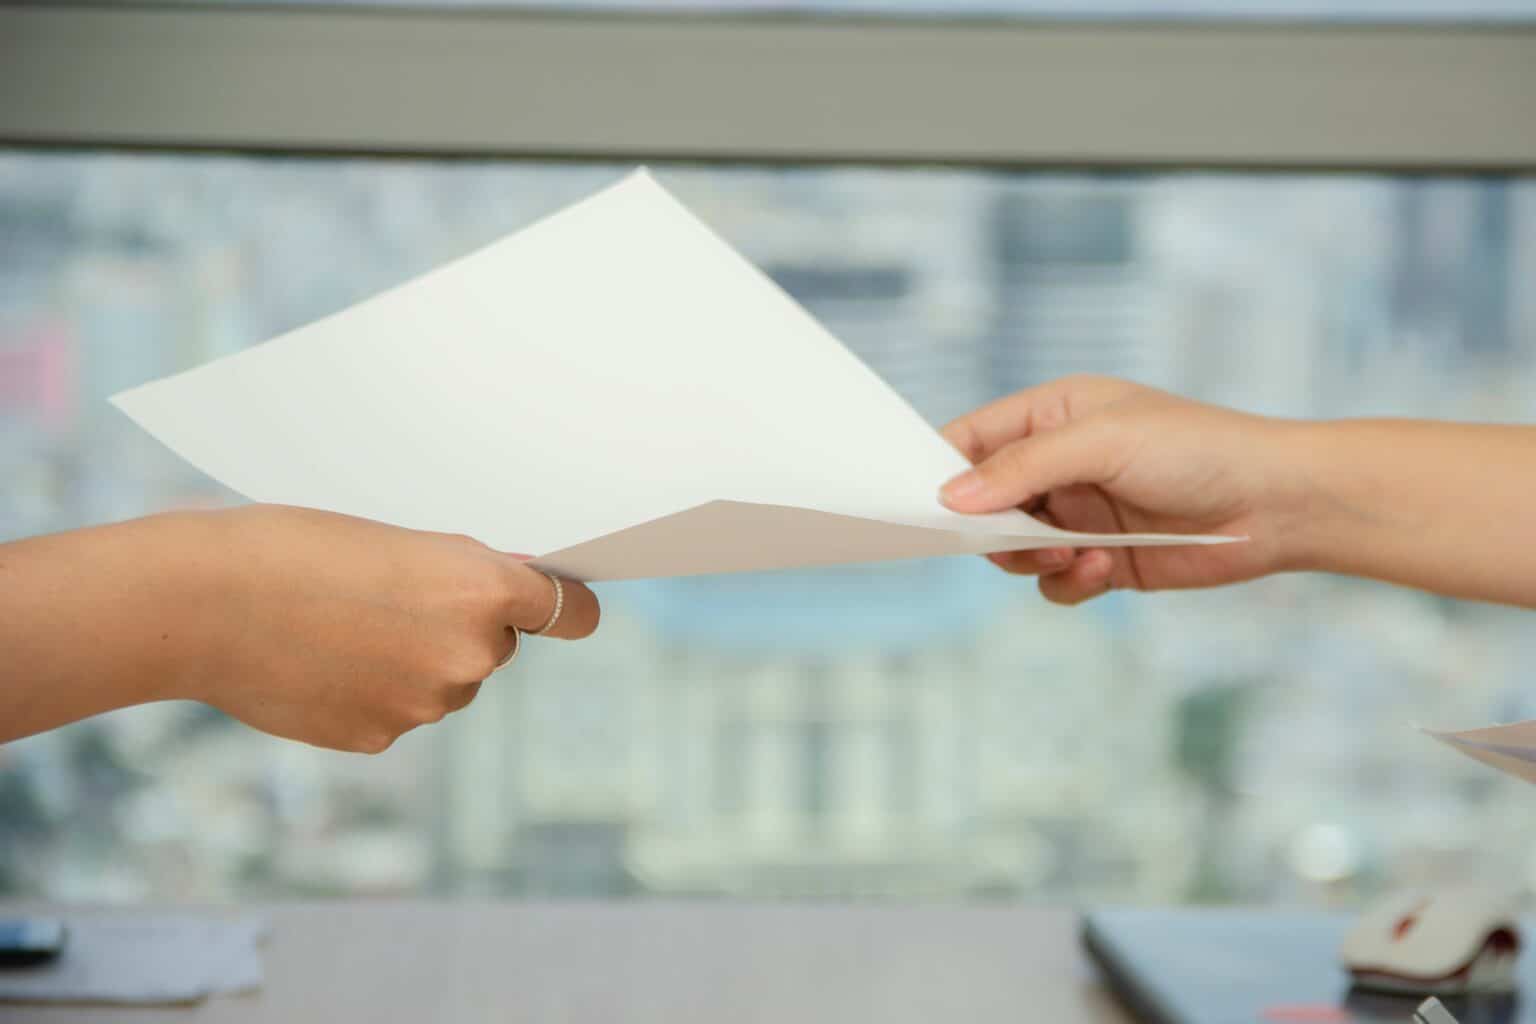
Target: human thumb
pixel 1079 453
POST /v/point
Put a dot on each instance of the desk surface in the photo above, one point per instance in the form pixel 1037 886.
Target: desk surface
pixel 675 963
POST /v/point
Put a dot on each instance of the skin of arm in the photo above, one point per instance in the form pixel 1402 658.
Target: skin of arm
pixel 332 630
pixel 1445 507
pixel 1439 506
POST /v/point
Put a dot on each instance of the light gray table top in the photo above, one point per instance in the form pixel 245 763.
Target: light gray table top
pixel 675 963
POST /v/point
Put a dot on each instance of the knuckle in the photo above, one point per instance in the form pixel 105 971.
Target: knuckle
pixel 1009 461
pixel 483 594
pixel 373 742
pixel 1084 381
pixel 962 437
pixel 489 587
pixel 1049 417
pixel 514 590
pixel 1059 592
pixel 1025 565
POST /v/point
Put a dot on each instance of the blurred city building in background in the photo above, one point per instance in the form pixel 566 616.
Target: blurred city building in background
pixel 924 730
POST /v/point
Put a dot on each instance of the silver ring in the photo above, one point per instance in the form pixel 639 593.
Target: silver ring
pixel 517 645
pixel 554 616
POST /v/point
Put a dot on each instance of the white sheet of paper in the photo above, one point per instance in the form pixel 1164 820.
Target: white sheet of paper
pixel 613 389
pixel 1509 748
pixel 153 960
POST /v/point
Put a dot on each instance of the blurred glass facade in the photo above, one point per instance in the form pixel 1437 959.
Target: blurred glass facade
pixel 928 730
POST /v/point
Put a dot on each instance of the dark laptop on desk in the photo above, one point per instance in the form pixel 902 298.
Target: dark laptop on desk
pixel 1256 967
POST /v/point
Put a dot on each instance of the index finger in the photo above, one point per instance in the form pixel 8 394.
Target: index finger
pixel 533 603
pixel 980 433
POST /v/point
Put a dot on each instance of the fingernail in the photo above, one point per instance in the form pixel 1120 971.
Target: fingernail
pixel 966 485
pixel 519 556
pixel 999 559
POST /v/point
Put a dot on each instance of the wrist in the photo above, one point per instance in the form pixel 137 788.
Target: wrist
pixel 1321 509
pixel 190 597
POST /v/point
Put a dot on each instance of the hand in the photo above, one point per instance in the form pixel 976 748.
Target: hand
pixel 346 633
pixel 1101 455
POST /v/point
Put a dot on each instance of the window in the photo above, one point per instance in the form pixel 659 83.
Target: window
pixel 975 195
pixel 1306 10
pixel 928 729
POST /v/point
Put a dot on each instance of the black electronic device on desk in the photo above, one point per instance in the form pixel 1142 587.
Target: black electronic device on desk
pixel 30 941
pixel 1220 966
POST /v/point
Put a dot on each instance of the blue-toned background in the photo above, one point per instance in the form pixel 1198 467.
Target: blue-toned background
pixel 929 730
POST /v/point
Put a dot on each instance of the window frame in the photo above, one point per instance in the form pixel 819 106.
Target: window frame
pixel 520 83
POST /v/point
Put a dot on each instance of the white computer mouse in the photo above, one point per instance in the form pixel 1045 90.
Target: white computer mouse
pixel 1440 943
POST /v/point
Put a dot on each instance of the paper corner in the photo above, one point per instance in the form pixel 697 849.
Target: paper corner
pixel 122 400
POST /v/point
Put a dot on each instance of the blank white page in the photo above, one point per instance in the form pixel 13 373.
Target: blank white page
pixel 613 365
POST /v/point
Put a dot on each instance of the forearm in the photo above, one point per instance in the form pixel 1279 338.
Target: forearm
pixel 97 619
pixel 1449 508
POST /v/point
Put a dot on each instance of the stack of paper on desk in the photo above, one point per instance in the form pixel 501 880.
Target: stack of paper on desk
pixel 613 389
pixel 124 958
pixel 1509 748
